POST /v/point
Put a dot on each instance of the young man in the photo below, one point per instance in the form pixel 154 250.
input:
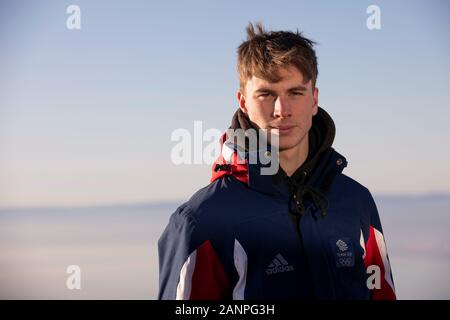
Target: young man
pixel 305 232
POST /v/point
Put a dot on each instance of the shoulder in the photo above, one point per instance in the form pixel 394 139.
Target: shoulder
pixel 348 196
pixel 214 202
pixel 207 215
pixel 348 188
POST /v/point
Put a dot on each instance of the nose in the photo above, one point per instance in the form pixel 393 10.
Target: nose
pixel 282 109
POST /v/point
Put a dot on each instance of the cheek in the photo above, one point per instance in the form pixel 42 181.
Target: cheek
pixel 308 123
pixel 260 110
pixel 304 119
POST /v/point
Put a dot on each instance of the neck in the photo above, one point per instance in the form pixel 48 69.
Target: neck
pixel 291 159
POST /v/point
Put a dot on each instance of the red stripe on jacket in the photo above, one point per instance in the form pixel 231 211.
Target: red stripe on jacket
pixel 373 257
pixel 209 280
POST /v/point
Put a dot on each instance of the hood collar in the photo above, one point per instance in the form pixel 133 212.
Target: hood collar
pixel 321 165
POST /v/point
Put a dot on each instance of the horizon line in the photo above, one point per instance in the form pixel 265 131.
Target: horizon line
pixel 144 203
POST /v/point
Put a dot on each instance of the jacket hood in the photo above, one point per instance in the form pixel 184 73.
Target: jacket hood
pixel 321 135
pixel 311 180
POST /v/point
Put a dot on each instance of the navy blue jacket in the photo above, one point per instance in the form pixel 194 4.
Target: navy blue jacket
pixel 234 239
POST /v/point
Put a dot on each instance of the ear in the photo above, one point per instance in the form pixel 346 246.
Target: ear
pixel 316 101
pixel 241 101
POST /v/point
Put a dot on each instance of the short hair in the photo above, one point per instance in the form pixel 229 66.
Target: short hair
pixel 263 53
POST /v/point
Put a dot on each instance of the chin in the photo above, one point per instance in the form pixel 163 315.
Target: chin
pixel 286 143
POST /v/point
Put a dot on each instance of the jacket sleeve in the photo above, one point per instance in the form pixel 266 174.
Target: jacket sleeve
pixel 380 281
pixel 189 267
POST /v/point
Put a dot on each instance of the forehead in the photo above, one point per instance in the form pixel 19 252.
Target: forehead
pixel 289 76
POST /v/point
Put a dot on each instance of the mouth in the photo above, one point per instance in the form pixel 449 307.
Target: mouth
pixel 282 129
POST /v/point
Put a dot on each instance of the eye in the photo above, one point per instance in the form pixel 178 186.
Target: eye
pixel 297 93
pixel 265 95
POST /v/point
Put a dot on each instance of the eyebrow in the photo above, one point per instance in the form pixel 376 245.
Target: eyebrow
pixel 296 88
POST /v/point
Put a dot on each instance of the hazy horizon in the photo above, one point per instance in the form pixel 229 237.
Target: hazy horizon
pixel 115 246
pixel 420 196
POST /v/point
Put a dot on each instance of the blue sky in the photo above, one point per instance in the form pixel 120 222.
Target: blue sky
pixel 86 115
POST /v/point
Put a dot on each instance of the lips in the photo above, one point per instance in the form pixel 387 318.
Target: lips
pixel 283 129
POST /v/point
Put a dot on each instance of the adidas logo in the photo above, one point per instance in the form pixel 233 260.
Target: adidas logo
pixel 279 264
pixel 341 245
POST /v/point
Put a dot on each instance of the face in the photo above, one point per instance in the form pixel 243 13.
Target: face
pixel 284 108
